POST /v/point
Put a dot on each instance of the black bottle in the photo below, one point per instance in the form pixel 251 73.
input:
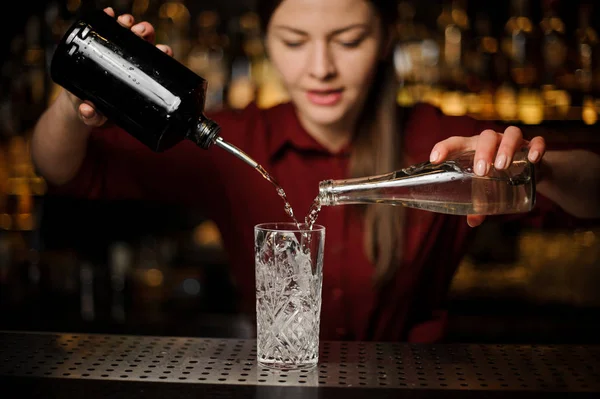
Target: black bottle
pixel 146 92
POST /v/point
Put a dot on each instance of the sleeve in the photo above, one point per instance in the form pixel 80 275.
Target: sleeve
pixel 118 166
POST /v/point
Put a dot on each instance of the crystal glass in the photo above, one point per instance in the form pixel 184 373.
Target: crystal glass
pixel 289 276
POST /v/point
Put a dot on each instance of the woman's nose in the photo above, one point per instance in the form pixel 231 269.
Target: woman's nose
pixel 322 64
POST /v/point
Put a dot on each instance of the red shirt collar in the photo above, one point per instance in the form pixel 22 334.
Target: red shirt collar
pixel 286 131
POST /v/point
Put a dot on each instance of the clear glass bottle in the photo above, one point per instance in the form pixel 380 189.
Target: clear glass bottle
pixel 450 187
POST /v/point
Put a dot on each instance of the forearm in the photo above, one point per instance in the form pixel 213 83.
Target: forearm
pixel 571 179
pixel 59 142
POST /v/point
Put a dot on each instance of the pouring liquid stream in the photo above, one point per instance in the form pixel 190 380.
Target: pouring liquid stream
pixel 314 209
pixel 244 157
pixel 288 208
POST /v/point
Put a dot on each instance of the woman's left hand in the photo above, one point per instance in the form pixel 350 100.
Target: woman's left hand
pixel 491 148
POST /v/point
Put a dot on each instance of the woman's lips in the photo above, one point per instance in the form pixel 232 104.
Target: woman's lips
pixel 324 97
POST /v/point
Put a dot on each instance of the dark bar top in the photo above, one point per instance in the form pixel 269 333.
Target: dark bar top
pixel 65 365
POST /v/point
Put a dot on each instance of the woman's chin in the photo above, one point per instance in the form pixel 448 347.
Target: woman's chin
pixel 325 116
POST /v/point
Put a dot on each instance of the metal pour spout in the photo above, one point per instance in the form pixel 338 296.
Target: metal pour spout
pixel 236 151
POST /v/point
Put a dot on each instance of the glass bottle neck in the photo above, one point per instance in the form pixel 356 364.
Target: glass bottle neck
pixel 351 191
pixel 327 195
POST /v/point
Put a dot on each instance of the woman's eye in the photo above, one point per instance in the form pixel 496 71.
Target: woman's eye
pixel 351 44
pixel 291 44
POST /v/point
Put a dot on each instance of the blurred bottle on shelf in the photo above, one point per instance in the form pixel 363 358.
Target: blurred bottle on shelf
pixel 271 90
pixel 555 83
pixel 554 43
pixel 34 62
pixel 520 46
pixel 207 58
pixel 252 77
pixel 173 28
pixel 149 274
pixel 587 72
pixel 120 6
pixel 245 55
pixel 416 59
pixel 587 50
pixel 480 63
pixel 57 17
pixel 453 23
pixel 407 54
pixel 87 279
pixel 145 10
pixel 121 266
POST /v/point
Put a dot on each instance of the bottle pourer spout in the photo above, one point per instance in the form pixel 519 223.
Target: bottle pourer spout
pixel 235 151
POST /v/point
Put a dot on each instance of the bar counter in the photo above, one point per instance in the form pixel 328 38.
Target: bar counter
pixel 64 365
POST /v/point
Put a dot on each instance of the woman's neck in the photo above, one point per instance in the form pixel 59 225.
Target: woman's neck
pixel 333 137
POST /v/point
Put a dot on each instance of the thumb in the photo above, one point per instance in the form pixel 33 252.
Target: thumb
pixel 90 116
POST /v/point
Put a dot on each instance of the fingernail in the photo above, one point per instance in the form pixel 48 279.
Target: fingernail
pixel 434 156
pixel 500 161
pixel 481 168
pixel 125 18
pixel 533 157
pixel 162 47
pixel 139 29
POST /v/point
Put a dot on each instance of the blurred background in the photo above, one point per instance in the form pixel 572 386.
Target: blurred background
pixel 142 268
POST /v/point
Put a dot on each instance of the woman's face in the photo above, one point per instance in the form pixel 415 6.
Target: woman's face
pixel 326 52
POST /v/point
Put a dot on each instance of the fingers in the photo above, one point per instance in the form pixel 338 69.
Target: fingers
pixel 144 30
pixel 537 148
pixel 512 141
pixel 487 143
pixel 475 220
pixel 443 149
pixel 110 11
pixel 126 20
pixel 491 149
pixel 165 49
pixel 90 116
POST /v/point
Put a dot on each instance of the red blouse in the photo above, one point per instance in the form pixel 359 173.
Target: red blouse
pixel 236 197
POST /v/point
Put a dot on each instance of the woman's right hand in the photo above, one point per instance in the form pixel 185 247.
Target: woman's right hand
pixel 86 111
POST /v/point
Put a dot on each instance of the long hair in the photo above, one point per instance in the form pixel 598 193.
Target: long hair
pixel 376 148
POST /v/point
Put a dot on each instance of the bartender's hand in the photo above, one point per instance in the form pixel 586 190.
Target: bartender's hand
pixel 491 148
pixel 85 109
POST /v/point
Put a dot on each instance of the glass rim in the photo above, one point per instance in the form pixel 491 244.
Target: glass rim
pixel 289 227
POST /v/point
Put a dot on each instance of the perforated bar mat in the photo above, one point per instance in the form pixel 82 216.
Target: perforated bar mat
pixel 368 365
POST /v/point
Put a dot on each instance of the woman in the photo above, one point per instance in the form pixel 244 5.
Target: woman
pixel 387 269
